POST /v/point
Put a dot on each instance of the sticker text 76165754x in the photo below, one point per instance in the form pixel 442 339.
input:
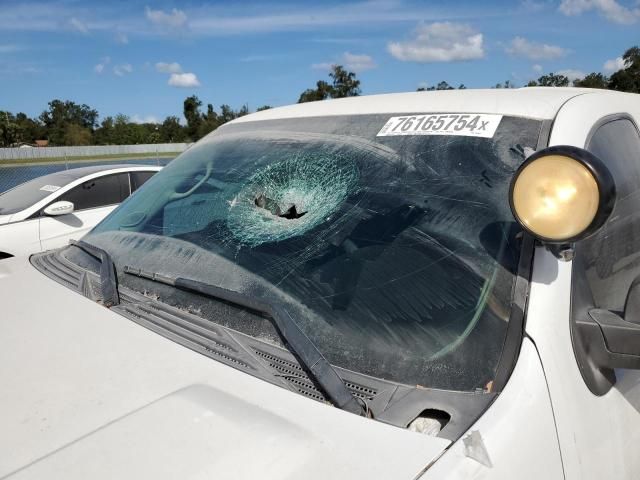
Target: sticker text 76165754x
pixel 464 124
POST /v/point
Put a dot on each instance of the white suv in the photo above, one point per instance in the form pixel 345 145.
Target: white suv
pixel 434 285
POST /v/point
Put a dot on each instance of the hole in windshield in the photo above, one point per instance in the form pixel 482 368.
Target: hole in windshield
pixel 291 213
pixel 288 198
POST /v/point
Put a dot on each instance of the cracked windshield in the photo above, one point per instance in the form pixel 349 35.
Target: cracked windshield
pixel 396 255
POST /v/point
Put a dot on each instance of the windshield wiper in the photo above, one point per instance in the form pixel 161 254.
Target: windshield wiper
pixel 307 352
pixel 108 277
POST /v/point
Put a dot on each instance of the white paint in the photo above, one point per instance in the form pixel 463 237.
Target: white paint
pixel 596 434
pixel 61 207
pixel 531 102
pixel 88 394
pixel 517 432
pixel 56 231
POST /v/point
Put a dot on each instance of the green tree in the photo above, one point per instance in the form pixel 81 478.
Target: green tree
pixel 154 136
pixel 211 115
pixel 627 79
pixel 321 92
pixel 550 80
pixel 506 84
pixel 76 135
pixel 29 130
pixel 263 107
pixel 343 84
pixel 8 129
pixel 61 114
pixel 593 80
pixel 172 131
pixel 104 134
pixel 440 86
pixel 226 114
pixel 191 111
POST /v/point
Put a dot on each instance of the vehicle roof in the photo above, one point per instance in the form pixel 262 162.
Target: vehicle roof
pixel 532 102
pixel 64 177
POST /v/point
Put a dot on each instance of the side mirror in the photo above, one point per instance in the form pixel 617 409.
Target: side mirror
pixel 59 208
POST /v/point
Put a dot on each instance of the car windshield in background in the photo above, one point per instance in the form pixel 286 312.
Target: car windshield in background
pixel 395 254
pixel 25 195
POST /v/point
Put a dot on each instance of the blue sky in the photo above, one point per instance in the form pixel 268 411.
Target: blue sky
pixel 142 58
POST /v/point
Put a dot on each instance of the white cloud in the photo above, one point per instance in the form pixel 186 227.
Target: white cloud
pixel 184 80
pixel 146 119
pixel 350 61
pixel 358 62
pixel 572 74
pixel 99 68
pixel 439 42
pixel 614 65
pixel 214 19
pixel 123 69
pixel 537 68
pixel 163 67
pixel 76 24
pixel 174 19
pixel 521 47
pixel 610 9
pixel 122 38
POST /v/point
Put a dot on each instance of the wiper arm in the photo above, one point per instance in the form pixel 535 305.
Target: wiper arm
pixel 311 358
pixel 108 277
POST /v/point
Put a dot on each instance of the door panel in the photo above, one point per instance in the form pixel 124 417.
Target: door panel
pixel 597 433
pixel 20 238
pixel 55 232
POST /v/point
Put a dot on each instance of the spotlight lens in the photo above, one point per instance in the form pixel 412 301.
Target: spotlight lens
pixel 556 197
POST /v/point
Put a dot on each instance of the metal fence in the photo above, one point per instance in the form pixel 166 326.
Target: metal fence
pixel 18 165
pixel 9 154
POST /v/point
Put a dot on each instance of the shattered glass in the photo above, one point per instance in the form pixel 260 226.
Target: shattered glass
pixel 396 255
pixel 311 186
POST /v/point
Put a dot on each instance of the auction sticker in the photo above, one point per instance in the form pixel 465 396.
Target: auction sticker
pixel 463 124
pixel 50 188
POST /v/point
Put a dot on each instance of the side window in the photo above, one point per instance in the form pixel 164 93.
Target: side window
pixel 139 178
pixel 610 260
pixel 99 192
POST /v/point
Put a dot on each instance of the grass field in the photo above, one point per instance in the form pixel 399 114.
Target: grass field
pixel 50 160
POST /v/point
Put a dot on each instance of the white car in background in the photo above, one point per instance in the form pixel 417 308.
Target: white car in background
pixel 433 285
pixel 48 211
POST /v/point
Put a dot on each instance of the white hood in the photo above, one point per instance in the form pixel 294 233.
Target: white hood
pixel 4 219
pixel 87 393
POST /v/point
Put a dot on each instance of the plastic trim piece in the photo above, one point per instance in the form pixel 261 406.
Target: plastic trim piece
pixel 108 276
pixel 310 357
pixel 516 325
